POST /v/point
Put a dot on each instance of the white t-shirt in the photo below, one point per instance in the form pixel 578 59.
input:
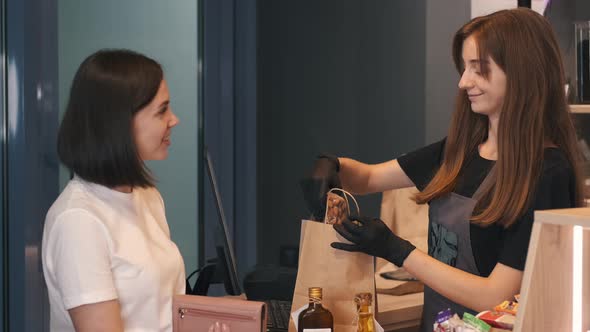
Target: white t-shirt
pixel 100 244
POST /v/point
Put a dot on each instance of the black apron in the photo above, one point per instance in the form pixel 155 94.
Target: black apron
pixel 449 241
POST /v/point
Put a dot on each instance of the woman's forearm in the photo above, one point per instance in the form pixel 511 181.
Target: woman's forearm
pixel 360 178
pixel 95 317
pixel 354 175
pixel 474 292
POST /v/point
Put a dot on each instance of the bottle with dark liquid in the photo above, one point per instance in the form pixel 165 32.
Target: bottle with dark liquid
pixel 315 318
pixel 582 42
pixel 365 315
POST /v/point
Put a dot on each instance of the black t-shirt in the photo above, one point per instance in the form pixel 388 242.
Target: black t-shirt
pixel 494 244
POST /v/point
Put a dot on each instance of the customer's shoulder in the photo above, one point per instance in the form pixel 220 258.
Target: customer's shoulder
pixel 150 194
pixel 75 194
pixel 74 197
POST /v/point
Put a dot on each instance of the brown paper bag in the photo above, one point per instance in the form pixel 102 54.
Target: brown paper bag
pixel 341 275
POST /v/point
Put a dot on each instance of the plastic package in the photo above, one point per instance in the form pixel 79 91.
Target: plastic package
pixel 498 319
pixel 337 209
pixel 509 307
pixel 477 324
pixel 582 42
pixel 447 322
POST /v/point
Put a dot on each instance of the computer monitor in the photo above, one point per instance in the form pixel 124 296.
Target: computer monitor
pixel 223 268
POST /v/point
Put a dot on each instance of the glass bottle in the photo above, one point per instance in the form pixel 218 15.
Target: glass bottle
pixel 365 316
pixel 582 42
pixel 315 318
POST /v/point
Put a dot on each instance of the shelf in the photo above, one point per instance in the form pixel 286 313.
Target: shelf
pixel 580 108
pixel 555 293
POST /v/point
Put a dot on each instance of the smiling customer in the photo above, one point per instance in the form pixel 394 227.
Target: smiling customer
pixel 108 260
pixel 511 149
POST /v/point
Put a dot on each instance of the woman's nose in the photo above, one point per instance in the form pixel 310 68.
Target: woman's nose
pixel 174 120
pixel 465 82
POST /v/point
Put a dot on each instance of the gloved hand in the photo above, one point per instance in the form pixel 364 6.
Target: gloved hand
pixel 324 176
pixel 373 237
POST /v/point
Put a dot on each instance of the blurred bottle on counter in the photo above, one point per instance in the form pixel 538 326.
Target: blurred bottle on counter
pixel 364 303
pixel 582 42
pixel 315 318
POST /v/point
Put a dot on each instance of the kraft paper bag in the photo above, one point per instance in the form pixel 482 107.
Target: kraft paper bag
pixel 341 275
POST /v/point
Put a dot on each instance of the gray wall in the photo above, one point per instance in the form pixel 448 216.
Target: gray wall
pixel 364 79
pixel 168 34
pixel 443 19
pixel 346 77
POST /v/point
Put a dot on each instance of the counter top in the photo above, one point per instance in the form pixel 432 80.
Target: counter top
pixel 397 312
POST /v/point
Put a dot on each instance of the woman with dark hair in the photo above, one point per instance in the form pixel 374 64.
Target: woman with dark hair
pixel 108 260
pixel 511 149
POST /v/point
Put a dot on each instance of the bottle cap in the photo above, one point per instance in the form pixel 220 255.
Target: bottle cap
pixel 363 298
pixel 315 293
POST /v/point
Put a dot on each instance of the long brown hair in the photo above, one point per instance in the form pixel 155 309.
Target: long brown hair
pixel 534 114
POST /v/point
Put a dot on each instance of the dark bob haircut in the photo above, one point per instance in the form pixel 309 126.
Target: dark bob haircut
pixel 95 139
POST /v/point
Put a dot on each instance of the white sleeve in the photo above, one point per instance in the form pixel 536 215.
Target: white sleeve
pixel 78 259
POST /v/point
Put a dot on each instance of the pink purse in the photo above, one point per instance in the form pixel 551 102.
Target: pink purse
pixel 194 313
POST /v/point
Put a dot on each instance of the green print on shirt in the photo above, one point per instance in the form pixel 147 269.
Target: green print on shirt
pixel 442 244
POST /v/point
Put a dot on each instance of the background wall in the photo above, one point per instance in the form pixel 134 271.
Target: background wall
pixel 167 33
pixel 443 19
pixel 364 79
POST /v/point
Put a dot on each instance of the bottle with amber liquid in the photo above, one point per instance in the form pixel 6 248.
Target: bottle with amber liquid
pixel 315 318
pixel 365 315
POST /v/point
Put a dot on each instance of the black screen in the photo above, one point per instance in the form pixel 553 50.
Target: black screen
pixel 226 261
pixel 224 267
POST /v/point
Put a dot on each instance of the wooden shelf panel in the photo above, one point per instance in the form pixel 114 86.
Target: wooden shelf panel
pixel 547 293
pixel 580 108
pixel 574 216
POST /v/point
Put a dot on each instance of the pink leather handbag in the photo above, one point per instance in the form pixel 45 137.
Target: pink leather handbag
pixel 193 313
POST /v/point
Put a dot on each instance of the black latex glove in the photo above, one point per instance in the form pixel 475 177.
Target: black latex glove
pixel 324 176
pixel 373 237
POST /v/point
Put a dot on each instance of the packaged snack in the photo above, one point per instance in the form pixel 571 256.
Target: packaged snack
pixel 475 323
pixel 337 209
pixel 455 322
pixel 440 323
pixel 510 307
pixel 498 319
pixel 443 316
pixel 446 322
